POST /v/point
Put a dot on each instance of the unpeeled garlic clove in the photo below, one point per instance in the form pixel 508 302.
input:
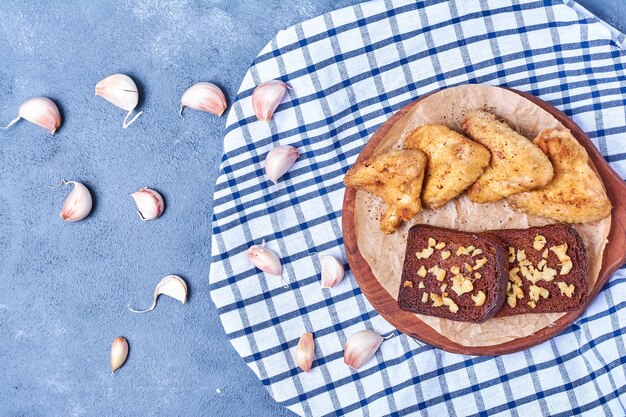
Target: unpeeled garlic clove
pixel 332 271
pixel 205 97
pixel 265 259
pixel 305 352
pixel 172 286
pixel 279 160
pixel 266 97
pixel 41 111
pixel 122 91
pixel 360 348
pixel 119 353
pixel 78 203
pixel 149 203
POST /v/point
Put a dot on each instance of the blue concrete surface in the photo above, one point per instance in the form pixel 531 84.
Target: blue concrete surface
pixel 64 287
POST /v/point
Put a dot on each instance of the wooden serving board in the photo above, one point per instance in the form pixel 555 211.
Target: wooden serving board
pixel 411 325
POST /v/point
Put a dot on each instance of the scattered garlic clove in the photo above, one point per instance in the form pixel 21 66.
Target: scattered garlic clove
pixel 149 203
pixel 279 160
pixel 305 352
pixel 205 97
pixel 360 348
pixel 266 97
pixel 119 353
pixel 120 90
pixel 332 271
pixel 78 203
pixel 265 259
pixel 172 286
pixel 41 111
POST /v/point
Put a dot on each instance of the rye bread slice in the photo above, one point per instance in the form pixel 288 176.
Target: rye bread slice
pixel 492 278
pixel 557 300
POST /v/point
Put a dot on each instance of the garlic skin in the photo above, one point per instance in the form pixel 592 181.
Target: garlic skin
pixel 360 348
pixel 41 111
pixel 206 97
pixel 120 90
pixel 119 353
pixel 266 97
pixel 279 160
pixel 150 204
pixel 332 271
pixel 305 352
pixel 265 259
pixel 172 286
pixel 78 203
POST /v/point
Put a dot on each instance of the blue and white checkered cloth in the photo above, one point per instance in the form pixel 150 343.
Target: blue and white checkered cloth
pixel 350 70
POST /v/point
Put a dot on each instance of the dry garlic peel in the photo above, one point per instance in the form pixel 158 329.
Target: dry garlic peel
pixel 206 97
pixel 360 348
pixel 265 259
pixel 78 203
pixel 332 271
pixel 266 98
pixel 119 353
pixel 120 90
pixel 149 203
pixel 305 352
pixel 172 286
pixel 41 111
pixel 279 160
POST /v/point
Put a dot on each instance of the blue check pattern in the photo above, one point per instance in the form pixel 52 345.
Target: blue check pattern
pixel 349 71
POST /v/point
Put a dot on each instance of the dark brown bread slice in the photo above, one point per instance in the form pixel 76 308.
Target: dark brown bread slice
pixel 491 281
pixel 556 301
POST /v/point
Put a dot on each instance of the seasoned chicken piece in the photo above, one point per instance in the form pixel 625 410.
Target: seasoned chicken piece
pixel 517 164
pixel 396 177
pixel 454 162
pixel 576 194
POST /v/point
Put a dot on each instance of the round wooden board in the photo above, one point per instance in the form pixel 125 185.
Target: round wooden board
pixel 411 325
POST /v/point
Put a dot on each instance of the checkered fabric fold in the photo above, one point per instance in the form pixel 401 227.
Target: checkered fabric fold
pixel 349 71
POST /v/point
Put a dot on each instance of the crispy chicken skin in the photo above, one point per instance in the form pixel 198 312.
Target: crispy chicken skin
pixel 454 162
pixel 517 164
pixel 396 177
pixel 576 194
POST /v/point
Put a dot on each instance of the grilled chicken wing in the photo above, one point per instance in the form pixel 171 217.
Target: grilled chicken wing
pixel 396 177
pixel 517 164
pixel 454 162
pixel 576 194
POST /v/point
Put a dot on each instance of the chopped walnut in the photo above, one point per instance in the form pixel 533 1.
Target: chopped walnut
pixel 468 267
pixel 464 287
pixel 445 254
pixel 440 275
pixel 480 263
pixel 566 267
pixel 425 297
pixel 477 275
pixel 443 287
pixel 437 300
pixel 535 292
pixel 511 254
pixel 545 254
pixel 408 284
pixel 451 304
pixel 532 304
pixel 440 245
pixel 455 270
pixel 511 301
pixel 560 252
pixel 566 290
pixel 431 242
pixel 421 285
pixel 479 298
pixel 477 252
pixel 425 254
pixel 422 271
pixel 539 242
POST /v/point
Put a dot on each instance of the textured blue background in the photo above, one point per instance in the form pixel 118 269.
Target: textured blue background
pixel 64 287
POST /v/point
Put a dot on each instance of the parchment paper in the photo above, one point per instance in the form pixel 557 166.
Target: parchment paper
pixel 385 253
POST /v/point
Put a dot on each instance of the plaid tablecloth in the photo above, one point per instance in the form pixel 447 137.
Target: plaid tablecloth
pixel 350 70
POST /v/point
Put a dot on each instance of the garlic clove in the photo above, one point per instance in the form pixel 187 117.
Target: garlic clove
pixel 172 286
pixel 206 97
pixel 279 160
pixel 360 348
pixel 78 203
pixel 266 97
pixel 120 90
pixel 149 203
pixel 41 111
pixel 119 353
pixel 332 271
pixel 265 259
pixel 305 352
